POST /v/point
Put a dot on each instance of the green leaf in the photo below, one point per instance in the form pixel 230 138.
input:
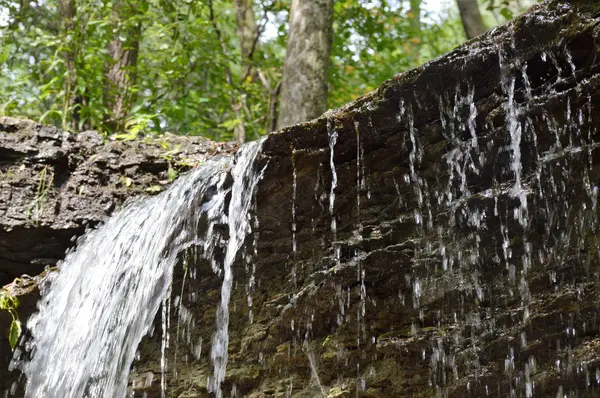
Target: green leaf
pixel 15 332
pixel 172 174
pixel 154 189
pixel 4 301
pixel 131 136
pixel 49 113
pixel 231 124
pixel 506 13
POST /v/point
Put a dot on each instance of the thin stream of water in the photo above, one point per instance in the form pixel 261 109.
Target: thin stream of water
pixel 333 136
pixel 245 181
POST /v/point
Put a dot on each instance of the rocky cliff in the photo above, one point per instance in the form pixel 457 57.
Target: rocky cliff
pixel 54 185
pixel 437 237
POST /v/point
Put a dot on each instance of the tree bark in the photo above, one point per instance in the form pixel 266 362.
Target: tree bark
pixel 246 28
pixel 471 18
pixel 120 70
pixel 247 33
pixel 304 82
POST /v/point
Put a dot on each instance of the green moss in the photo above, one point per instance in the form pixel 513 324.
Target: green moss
pixel 283 347
pixel 425 393
pixel 245 374
pixel 338 392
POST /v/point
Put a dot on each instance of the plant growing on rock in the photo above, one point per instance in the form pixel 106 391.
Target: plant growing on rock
pixel 10 303
pixel 46 178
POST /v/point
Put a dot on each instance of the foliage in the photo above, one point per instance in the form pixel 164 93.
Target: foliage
pixel 505 10
pixel 375 40
pixel 10 304
pixel 190 76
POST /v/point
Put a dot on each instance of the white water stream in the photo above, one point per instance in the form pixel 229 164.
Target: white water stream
pixel 239 226
pixel 96 309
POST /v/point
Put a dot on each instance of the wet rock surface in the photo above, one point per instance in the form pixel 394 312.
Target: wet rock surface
pixel 439 279
pixel 438 237
pixel 54 185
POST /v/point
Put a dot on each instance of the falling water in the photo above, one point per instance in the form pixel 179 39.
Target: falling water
pixel 333 135
pixel 90 321
pixel 508 80
pixel 359 170
pixel 245 181
pixel 294 189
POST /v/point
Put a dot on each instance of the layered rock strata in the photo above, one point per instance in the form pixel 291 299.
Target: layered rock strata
pixel 437 237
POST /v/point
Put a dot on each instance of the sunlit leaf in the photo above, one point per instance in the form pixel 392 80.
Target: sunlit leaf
pixel 506 13
pixel 14 333
pixel 172 173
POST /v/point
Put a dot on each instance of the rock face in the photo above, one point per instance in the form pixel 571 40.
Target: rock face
pixel 437 237
pixel 54 185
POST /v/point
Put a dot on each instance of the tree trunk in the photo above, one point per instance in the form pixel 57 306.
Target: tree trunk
pixel 246 29
pixel 415 16
pixel 248 35
pixel 120 73
pixel 66 11
pixel 304 82
pixel 471 18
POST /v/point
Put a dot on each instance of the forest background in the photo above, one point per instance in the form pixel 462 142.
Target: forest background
pixel 224 69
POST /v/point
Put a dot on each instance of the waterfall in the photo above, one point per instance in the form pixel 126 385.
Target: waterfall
pixel 438 237
pixel 95 311
pixel 241 194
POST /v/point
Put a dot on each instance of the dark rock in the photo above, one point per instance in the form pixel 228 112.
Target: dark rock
pixel 54 185
pixel 429 285
pixel 440 309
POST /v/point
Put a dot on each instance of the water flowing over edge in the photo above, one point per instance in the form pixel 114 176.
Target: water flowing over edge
pixel 242 191
pixel 89 323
